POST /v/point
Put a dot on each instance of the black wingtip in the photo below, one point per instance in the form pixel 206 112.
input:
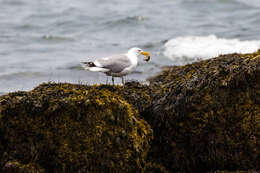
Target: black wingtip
pixel 89 64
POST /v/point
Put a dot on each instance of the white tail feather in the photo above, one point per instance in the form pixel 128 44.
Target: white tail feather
pixel 99 69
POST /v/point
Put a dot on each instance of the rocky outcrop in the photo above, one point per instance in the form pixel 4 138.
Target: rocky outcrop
pixel 200 117
pixel 206 115
pixel 72 128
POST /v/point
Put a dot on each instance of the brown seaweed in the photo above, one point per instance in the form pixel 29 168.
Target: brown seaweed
pixel 73 128
pixel 201 117
pixel 205 115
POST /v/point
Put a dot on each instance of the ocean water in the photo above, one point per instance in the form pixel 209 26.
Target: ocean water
pixel 45 41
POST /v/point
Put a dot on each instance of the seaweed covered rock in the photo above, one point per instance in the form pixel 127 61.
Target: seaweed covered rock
pixel 249 171
pixel 73 128
pixel 134 93
pixel 16 167
pixel 205 115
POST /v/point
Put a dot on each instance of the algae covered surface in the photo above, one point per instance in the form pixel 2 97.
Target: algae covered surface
pixel 207 114
pixel 73 128
pixel 201 117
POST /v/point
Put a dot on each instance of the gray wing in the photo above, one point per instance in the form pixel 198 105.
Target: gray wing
pixel 116 63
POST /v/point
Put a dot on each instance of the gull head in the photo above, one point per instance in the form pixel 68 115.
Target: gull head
pixel 137 52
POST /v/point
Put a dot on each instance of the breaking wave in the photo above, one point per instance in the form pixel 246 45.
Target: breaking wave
pixel 193 48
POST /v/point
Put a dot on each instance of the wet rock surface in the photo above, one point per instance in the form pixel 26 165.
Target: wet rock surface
pixel 201 117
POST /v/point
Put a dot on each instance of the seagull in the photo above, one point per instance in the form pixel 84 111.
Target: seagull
pixel 117 65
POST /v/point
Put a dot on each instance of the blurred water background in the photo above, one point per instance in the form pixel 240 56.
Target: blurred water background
pixel 44 40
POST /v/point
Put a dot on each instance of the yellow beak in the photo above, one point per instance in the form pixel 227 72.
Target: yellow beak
pixel 147 55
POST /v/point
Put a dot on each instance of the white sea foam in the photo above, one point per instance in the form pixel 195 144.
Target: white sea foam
pixel 192 48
